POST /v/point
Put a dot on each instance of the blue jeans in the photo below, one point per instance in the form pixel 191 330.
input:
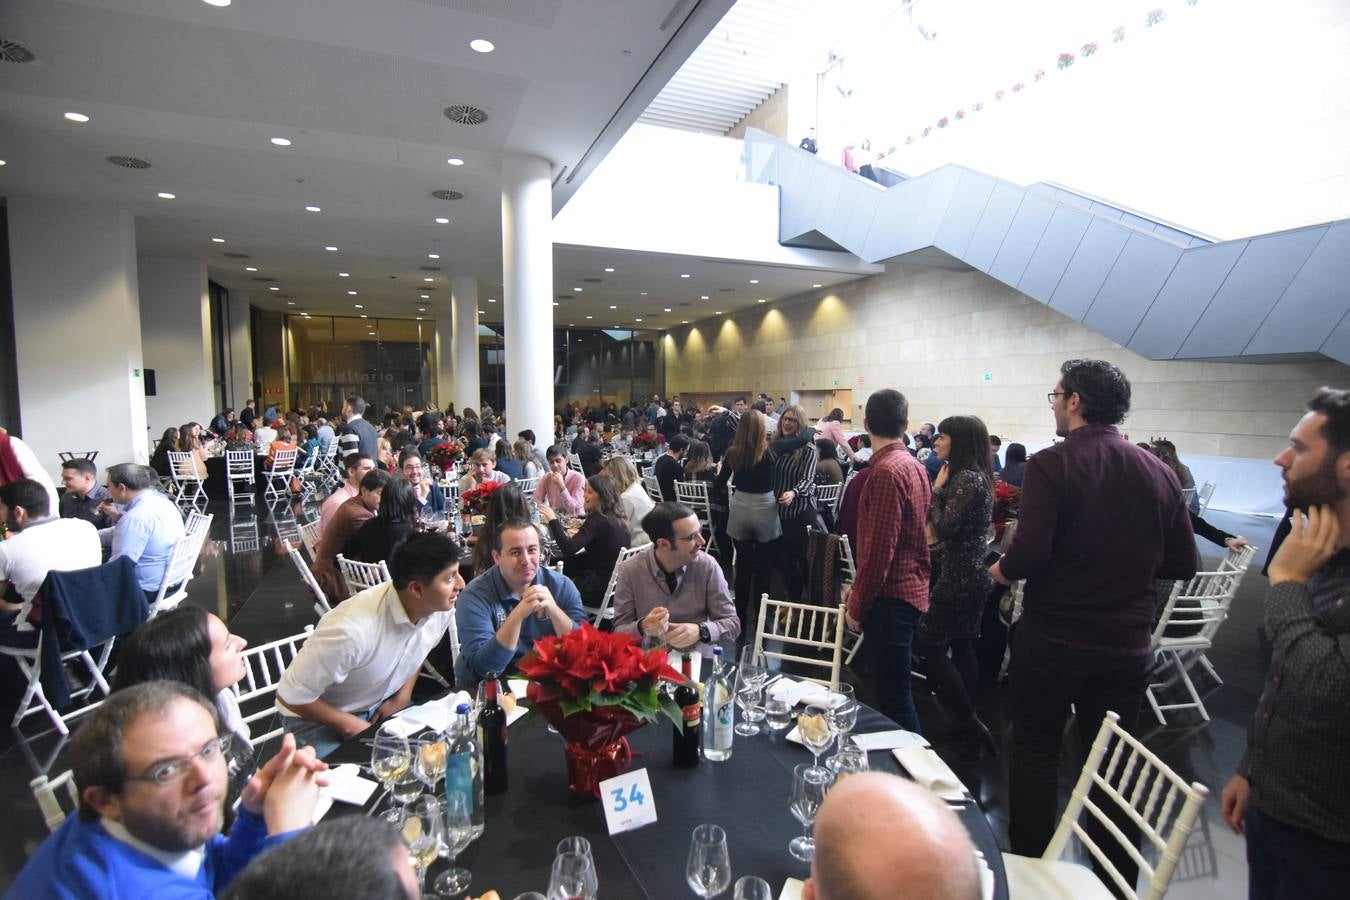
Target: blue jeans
pixel 321 737
pixel 889 634
pixel 1289 863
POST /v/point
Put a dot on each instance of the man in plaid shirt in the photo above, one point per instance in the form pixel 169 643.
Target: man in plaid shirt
pixel 890 591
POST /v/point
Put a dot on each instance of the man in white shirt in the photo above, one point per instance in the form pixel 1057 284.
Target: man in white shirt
pixel 362 660
pixel 39 543
pixel 266 433
pixel 357 465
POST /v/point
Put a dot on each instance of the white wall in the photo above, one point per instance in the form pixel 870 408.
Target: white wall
pixel 176 341
pixel 77 329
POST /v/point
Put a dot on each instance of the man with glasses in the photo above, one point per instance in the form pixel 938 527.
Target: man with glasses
pixel 674 592
pixel 1100 519
pixel 150 768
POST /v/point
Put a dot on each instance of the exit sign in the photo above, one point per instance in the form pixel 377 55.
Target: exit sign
pixel 988 376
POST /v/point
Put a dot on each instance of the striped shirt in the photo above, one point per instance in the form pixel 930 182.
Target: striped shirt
pixel 796 471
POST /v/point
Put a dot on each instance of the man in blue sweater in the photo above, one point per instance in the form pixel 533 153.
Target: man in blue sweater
pixel 150 768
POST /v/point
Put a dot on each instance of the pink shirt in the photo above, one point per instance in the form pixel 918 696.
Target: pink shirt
pixel 340 496
pixel 569 501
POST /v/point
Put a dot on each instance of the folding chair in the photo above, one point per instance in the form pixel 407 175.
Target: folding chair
pixel 189 486
pixel 652 487
pixel 263 667
pixel 1205 492
pixel 328 467
pixel 449 495
pixel 827 495
pixel 528 485
pixel 1199 606
pixel 309 476
pixel 606 608
pixel 177 573
pixel 574 463
pixel 321 604
pixel 798 627
pixel 848 572
pixel 1155 799
pixel 309 536
pixel 359 576
pixel 198 523
pixel 68 455
pixel 47 792
pixel 281 471
pixel 239 468
pixel 694 494
pixel 244 534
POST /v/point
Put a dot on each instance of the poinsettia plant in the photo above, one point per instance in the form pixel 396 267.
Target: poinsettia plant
pixel 644 441
pixel 475 500
pixel 1007 499
pixel 444 455
pixel 587 668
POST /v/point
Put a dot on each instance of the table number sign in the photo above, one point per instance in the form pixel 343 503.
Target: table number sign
pixel 628 801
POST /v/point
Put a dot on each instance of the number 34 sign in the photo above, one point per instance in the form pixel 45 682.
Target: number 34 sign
pixel 628 801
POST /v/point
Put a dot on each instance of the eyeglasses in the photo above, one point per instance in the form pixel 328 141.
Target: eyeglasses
pixel 1050 397
pixel 690 538
pixel 173 770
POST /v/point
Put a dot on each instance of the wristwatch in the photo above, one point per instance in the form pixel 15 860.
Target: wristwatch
pixel 703 634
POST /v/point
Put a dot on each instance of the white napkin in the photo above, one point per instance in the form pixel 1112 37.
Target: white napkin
pixel 889 740
pixel 986 877
pixel 434 715
pixel 518 686
pixel 792 889
pixel 515 715
pixel 822 697
pixel 928 769
pixel 792 690
pixel 345 785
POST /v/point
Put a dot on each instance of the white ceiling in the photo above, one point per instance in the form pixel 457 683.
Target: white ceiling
pixel 359 89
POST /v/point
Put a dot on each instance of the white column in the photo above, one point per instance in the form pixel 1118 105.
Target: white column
pixel 239 353
pixel 77 330
pixel 527 294
pixel 176 341
pixel 464 391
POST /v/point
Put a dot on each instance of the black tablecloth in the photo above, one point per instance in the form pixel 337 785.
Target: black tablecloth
pixel 216 484
pixel 747 795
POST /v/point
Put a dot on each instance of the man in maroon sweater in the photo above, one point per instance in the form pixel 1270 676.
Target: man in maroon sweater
pixel 1100 519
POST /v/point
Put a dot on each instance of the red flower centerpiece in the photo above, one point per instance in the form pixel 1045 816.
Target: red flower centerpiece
pixel 644 441
pixel 1007 499
pixel 444 455
pixel 594 687
pixel 475 500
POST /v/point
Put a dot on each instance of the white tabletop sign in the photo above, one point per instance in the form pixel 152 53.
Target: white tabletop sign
pixel 628 801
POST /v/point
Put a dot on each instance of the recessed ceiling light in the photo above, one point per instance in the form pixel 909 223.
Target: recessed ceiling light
pixel 761 300
pixel 351 293
pixel 684 321
pixel 576 290
pixel 637 320
pixel 290 302
pixel 217 2
pixel 455 161
pixel 433 256
pixel 612 306
pixel 571 324
pixel 428 278
pixel 2 162
pixel 217 240
pixel 644 293
pixel 480 312
pixel 273 288
pixel 684 274
pixel 306 315
pixel 703 297
pixel 344 274
pixel 358 306
pixel 667 309
pixel 491 300
pixel 817 285
pixel 313 209
pixel 364 316
pixel 609 268
pixel 421 309
pixel 442 220
pixel 754 281
pixel 555 302
pixel 719 312
pixel 331 249
pixel 590 317
pixel 482 45
pixel 280 142
pixel 250 268
pixel 165 195
pixel 419 318
pixel 77 117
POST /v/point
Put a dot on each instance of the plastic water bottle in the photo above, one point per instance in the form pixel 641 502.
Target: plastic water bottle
pixel 464 766
pixel 719 712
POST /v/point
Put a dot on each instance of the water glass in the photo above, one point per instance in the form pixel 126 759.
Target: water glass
pixel 456 832
pixel 751 887
pixel 747 698
pixel 777 713
pixel 817 740
pixel 709 868
pixel 809 784
pixel 575 844
pixel 406 790
pixel 844 712
pixel 573 877
pixel 848 761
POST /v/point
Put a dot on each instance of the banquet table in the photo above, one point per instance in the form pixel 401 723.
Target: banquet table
pixel 746 795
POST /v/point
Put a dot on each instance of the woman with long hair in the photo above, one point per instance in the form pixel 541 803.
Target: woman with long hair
pixel 752 521
pixel 393 522
pixel 529 466
pixel 190 441
pixel 958 534
pixel 602 536
pixel 1014 465
pixel 1167 452
pixel 794 483
pixel 636 503
pixel 159 460
pixel 506 502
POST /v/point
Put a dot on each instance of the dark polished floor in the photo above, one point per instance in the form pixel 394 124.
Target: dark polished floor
pixel 245 578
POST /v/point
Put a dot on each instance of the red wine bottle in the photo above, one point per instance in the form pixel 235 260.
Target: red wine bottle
pixel 492 738
pixel 687 741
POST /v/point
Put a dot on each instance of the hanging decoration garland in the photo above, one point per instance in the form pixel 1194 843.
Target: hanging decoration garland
pixel 1065 60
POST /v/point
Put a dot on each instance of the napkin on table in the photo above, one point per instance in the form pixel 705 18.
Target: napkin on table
pixel 928 769
pixel 889 740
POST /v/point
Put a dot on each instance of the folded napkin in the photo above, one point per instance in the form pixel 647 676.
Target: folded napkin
pixel 435 715
pixel 792 889
pixel 928 769
pixel 888 740
pixel 517 686
pixel 345 785
pixel 986 877
pixel 792 690
pixel 822 697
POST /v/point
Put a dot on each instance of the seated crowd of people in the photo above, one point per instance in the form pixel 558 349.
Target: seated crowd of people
pixel 161 760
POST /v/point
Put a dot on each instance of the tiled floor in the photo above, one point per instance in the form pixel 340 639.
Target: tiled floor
pixel 246 578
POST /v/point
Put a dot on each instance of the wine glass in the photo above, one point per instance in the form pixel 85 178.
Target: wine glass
pixel 843 714
pixel 390 760
pixel 429 764
pixel 406 790
pixel 747 698
pixel 709 868
pixel 421 832
pixel 457 831
pixel 751 887
pixel 809 784
pixel 777 713
pixel 819 733
pixel 848 761
pixel 575 844
pixel 573 877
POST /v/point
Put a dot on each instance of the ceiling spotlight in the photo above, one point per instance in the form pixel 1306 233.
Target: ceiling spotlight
pixel 250 268
pixel 761 300
pixel 290 302
pixel 280 142
pixel 442 220
pixel 817 285
pixel 358 306
pixel 77 117
pixel 684 274
pixel 2 162
pixel 220 3
pixel 609 269
pixel 330 248
pixel 576 290
pixel 165 195
pixel 703 297
pixel 419 318
pixel 312 209
pixel 455 161
pixel 481 45
pixel 344 275
pixel 667 309
pixel 421 309
pixel 480 312
pixel 433 256
pixel 719 312
pixel 491 300
pixel 555 302
pixel 754 281
pixel 306 315
pixel 351 293
pixel 273 288
pixel 425 296
pixel 637 320
pixel 364 316
pixel 644 293
pixel 590 317
pixel 612 306
pixel 217 240
pixel 684 321
pixel 428 278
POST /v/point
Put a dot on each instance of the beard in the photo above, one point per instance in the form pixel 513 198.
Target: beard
pixel 1317 489
pixel 175 837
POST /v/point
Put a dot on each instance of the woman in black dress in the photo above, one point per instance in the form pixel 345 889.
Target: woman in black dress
pixel 958 535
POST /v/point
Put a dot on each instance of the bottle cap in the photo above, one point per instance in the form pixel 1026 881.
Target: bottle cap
pixel 717 651
pixel 462 709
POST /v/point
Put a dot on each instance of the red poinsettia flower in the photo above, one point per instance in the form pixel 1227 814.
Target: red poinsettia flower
pixel 588 667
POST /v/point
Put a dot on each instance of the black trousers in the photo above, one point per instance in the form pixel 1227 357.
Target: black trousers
pixel 1046 678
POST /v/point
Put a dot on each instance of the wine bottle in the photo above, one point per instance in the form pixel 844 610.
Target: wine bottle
pixel 492 737
pixel 688 739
